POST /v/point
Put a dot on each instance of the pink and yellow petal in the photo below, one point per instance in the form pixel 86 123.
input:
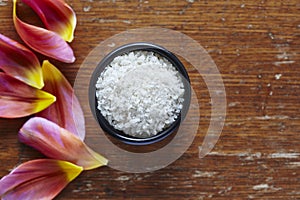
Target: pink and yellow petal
pixel 66 111
pixel 18 99
pixel 19 62
pixel 42 40
pixel 38 179
pixel 58 143
pixel 56 15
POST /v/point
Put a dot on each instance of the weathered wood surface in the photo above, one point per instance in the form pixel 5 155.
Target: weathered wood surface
pixel 256 46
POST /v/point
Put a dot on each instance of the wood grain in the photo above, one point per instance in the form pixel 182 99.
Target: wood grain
pixel 256 46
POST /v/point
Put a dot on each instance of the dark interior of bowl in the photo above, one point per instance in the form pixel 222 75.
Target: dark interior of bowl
pixel 119 134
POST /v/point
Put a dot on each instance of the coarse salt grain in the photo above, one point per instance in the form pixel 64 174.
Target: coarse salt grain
pixel 140 93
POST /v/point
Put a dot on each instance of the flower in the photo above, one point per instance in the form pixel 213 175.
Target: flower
pixel 38 179
pixel 42 40
pixel 19 62
pixel 18 99
pixel 66 111
pixel 56 15
pixel 58 143
pixel 59 130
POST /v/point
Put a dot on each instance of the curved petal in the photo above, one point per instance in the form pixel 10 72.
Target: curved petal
pixel 58 143
pixel 38 179
pixel 18 99
pixel 43 41
pixel 56 15
pixel 66 111
pixel 19 62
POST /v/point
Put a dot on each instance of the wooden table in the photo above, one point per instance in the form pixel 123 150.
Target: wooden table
pixel 256 46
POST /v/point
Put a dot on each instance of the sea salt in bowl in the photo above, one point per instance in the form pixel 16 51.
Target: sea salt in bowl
pixel 139 93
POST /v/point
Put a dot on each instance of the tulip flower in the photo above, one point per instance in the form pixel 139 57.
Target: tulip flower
pixel 42 40
pixel 18 99
pixel 38 179
pixel 19 62
pixel 56 15
pixel 66 111
pixel 58 143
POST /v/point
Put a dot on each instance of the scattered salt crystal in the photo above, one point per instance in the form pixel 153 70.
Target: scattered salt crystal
pixel 271 35
pixel 278 76
pixel 87 8
pixel 259 76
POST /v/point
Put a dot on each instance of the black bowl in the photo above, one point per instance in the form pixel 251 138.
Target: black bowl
pixel 104 124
